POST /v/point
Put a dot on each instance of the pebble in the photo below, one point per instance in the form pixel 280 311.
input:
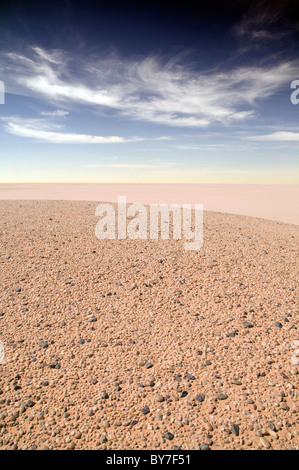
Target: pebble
pixel 200 398
pixel 222 396
pixel 235 429
pixel 168 435
pixel 145 410
pixel 159 398
pixel 265 442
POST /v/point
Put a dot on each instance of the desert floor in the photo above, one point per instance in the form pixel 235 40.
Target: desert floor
pixel 121 344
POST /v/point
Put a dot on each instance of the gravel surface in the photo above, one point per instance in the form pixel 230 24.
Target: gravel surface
pixel 121 344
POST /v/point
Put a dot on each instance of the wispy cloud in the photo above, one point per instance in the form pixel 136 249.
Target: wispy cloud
pixel 144 166
pixel 146 89
pixel 38 129
pixel 260 21
pixel 56 113
pixel 280 136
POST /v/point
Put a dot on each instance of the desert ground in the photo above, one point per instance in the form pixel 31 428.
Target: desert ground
pixel 140 344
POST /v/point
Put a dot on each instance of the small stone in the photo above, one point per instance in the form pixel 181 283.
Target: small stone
pixel 235 429
pixel 148 365
pixel 145 410
pixel 200 398
pixel 190 377
pixel 271 426
pixel 236 382
pixel 222 396
pixel 168 435
pixel 159 398
pixel 30 404
pixel 204 447
pixel 78 435
pixel 209 427
pixel 43 344
pixel 265 442
pixel 278 324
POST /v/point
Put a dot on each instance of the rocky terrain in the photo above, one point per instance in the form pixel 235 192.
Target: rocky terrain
pixel 121 344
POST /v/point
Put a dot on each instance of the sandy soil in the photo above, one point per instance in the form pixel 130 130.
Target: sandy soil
pixel 141 344
pixel 273 202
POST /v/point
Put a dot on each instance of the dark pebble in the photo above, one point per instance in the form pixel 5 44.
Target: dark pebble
pixel 271 426
pixel 30 404
pixel 189 376
pixel 145 410
pixel 235 429
pixel 221 396
pixel 168 435
pixel 200 398
pixel 148 365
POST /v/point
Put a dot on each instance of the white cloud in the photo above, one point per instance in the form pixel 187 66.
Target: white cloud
pixel 134 165
pixel 146 89
pixel 56 113
pixel 38 129
pixel 280 136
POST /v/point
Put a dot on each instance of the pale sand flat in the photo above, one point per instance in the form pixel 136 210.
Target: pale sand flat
pixel 273 202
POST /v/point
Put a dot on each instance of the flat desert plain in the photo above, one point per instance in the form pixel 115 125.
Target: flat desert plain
pixel 140 344
pixel 273 202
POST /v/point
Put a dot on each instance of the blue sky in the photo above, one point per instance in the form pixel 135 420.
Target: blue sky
pixel 147 92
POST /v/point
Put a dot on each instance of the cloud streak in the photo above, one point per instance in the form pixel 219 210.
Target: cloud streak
pixel 280 136
pixel 132 166
pixel 56 113
pixel 38 129
pixel 146 89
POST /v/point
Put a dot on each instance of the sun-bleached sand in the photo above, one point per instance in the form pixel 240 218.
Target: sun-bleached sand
pixel 140 344
pixel 273 202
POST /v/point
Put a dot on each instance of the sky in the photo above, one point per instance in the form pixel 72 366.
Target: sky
pixel 143 92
